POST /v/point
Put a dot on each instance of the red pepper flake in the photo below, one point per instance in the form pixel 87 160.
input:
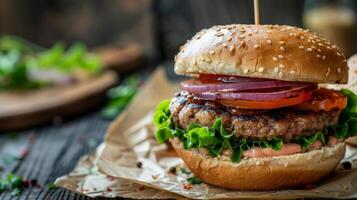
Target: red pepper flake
pixel 142 188
pixel 24 152
pixel 109 189
pixel 309 186
pixel 187 186
pixel 111 178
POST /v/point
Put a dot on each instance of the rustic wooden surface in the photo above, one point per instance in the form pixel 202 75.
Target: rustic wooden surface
pixel 53 150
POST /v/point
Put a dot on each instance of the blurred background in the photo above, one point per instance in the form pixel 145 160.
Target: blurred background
pixel 161 26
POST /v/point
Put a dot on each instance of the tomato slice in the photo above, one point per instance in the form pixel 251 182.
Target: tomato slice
pixel 324 99
pixel 245 104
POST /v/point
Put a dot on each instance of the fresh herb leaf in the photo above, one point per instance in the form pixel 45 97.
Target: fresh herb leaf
pixel 12 183
pixel 18 57
pixel 194 180
pixel 51 186
pixel 185 171
pixel 120 97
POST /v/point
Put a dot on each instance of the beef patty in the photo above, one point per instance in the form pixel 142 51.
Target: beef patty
pixel 285 123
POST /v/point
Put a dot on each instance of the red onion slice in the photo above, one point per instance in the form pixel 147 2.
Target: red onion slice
pixel 196 86
pixel 254 96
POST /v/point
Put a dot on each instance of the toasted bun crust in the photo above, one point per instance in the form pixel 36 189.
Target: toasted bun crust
pixel 263 51
pixel 262 173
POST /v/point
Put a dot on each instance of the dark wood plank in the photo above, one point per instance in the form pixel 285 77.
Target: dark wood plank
pixel 54 152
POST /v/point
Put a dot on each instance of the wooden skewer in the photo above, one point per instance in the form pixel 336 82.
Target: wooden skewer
pixel 256 12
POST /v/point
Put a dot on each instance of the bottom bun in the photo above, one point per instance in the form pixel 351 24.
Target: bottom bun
pixel 352 141
pixel 262 173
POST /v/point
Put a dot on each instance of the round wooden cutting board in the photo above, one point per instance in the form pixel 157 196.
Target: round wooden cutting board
pixel 19 109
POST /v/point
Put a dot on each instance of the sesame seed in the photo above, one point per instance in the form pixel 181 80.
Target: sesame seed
pixel 282 49
pixel 219 34
pixel 320 44
pixel 241 29
pixel 338 54
pixel 241 44
pixel 245 71
pixel 256 46
pixel 309 49
pixel 282 66
pixel 329 48
pixel 301 47
pixel 333 46
pixel 211 52
pixel 318 56
pixel 208 60
pixel 269 31
pixel 281 56
pixel 291 34
pixel 276 69
pixel 275 58
pixel 323 57
pixel 229 39
pixel 260 69
pixel 292 72
pixel 328 72
pixel 231 48
pixel 281 42
pixel 194 62
pixel 250 34
pixel 224 45
pixel 339 70
pixel 319 50
pixel 241 36
pixel 269 41
pixel 302 37
pixel 255 31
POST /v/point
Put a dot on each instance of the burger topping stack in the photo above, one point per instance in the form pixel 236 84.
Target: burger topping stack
pixel 255 95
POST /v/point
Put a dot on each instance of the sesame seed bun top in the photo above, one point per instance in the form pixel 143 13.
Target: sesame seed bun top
pixel 263 51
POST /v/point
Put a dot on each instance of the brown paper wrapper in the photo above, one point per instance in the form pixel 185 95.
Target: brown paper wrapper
pixel 132 156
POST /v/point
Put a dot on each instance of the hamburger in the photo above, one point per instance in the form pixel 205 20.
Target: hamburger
pixel 252 116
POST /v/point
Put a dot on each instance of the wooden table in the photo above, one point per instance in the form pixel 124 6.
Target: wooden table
pixel 53 151
pixel 50 151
